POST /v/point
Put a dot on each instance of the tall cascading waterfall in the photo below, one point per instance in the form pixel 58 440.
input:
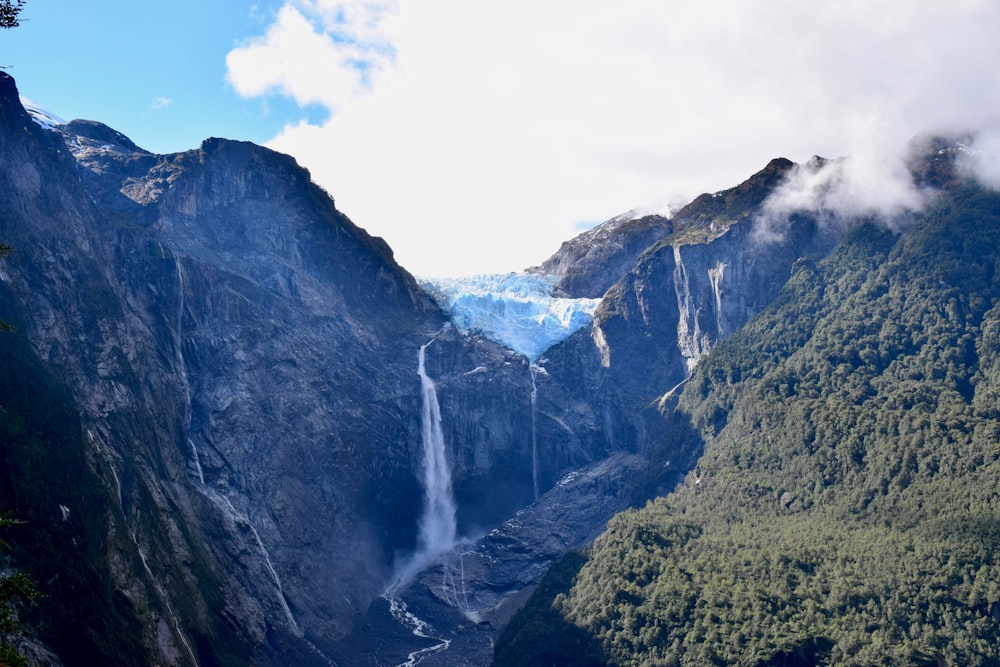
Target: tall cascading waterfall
pixel 437 528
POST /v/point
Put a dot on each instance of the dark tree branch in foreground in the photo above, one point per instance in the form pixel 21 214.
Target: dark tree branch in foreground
pixel 9 10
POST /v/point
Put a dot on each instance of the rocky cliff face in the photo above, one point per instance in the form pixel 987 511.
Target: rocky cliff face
pixel 684 293
pixel 242 360
pixel 588 264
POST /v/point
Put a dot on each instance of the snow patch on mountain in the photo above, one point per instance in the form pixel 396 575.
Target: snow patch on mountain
pixel 516 310
pixel 42 116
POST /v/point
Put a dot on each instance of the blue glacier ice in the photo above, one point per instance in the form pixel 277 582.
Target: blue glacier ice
pixel 516 310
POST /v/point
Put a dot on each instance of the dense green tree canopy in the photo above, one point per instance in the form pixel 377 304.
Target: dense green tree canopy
pixel 846 508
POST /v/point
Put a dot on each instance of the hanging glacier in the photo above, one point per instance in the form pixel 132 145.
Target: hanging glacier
pixel 517 310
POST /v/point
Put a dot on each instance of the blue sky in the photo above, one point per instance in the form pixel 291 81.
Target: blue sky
pixel 155 71
pixel 476 137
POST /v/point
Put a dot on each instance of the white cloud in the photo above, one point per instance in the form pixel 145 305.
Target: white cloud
pixel 841 191
pixel 982 158
pixel 160 103
pixel 474 136
pixel 316 52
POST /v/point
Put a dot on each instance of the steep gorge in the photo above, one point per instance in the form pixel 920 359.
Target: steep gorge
pixel 250 369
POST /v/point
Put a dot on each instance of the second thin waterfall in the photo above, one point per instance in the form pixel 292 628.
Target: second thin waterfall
pixel 437 524
pixel 533 369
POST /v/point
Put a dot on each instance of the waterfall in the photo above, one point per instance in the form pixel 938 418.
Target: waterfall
pixel 236 517
pixel 195 463
pixel 437 528
pixel 688 329
pixel 437 525
pixel 158 587
pixel 534 435
pixel 715 276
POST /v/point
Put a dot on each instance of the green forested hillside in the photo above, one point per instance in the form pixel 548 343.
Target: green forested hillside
pixel 846 509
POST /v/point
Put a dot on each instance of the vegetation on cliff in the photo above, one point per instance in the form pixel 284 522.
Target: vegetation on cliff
pixel 46 483
pixel 846 509
pixel 15 587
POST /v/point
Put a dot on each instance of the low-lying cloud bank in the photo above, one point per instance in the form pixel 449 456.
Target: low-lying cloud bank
pixel 842 190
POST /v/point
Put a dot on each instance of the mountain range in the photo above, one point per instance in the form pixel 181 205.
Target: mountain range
pixel 238 432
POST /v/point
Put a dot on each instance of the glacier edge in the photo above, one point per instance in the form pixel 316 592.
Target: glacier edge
pixel 516 310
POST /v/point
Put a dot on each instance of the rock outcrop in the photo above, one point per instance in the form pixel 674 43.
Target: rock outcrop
pixel 588 264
